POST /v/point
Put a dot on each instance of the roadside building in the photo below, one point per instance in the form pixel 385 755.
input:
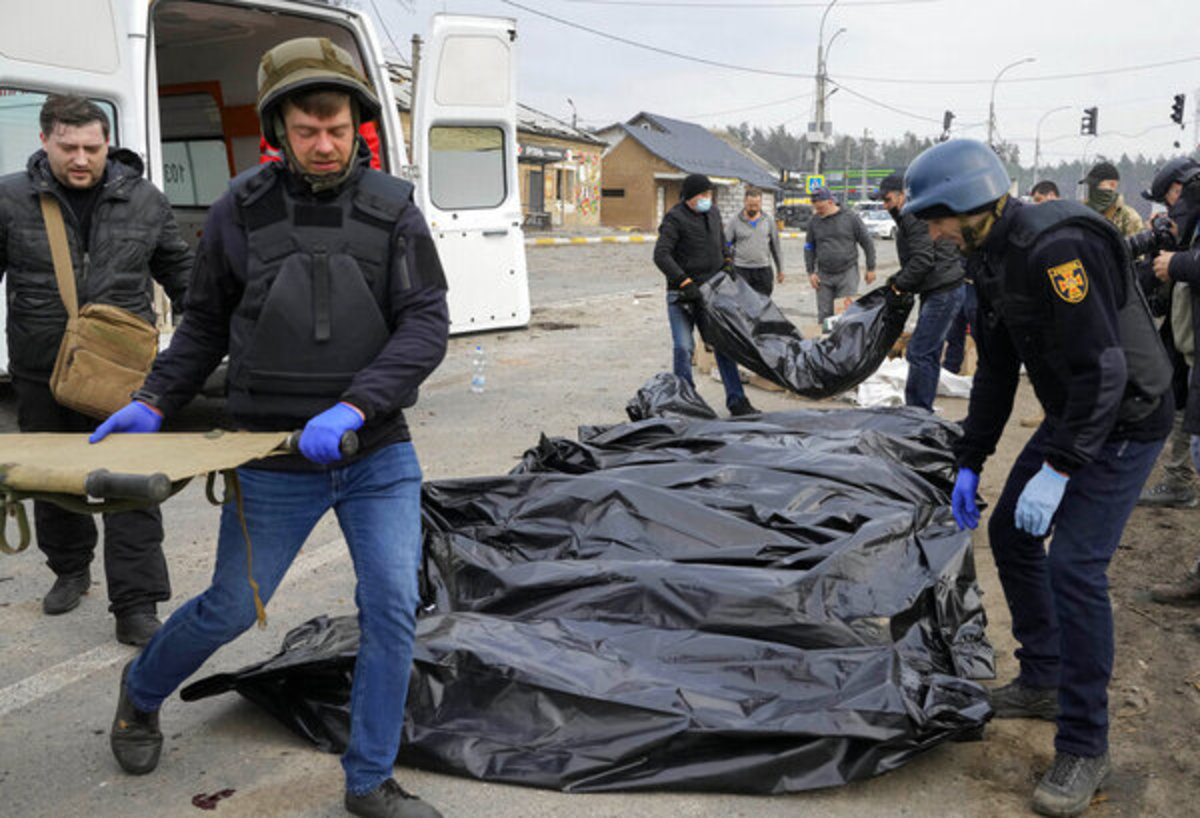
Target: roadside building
pixel 558 165
pixel 648 158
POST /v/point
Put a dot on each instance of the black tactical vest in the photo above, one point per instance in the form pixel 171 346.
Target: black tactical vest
pixel 315 308
pixel 1147 365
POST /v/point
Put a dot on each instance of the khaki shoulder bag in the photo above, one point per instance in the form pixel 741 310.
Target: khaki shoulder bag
pixel 106 351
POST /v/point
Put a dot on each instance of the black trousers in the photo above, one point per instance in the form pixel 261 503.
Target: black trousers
pixel 759 278
pixel 133 557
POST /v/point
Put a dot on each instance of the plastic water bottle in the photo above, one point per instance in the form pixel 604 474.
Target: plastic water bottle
pixel 478 370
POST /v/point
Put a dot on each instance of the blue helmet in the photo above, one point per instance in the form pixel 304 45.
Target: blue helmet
pixel 959 176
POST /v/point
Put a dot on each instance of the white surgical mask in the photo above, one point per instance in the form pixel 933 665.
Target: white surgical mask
pixel 704 205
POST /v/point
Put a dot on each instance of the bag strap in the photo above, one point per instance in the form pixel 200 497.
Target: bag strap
pixel 60 252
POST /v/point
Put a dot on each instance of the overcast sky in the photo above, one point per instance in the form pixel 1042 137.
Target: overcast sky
pixel 894 61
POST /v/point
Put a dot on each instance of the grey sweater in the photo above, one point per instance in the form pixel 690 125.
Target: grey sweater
pixel 830 248
pixel 754 244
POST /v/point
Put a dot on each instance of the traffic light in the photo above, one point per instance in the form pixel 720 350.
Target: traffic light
pixel 1177 110
pixel 1087 125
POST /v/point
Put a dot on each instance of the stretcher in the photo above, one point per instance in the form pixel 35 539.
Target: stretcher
pixel 123 471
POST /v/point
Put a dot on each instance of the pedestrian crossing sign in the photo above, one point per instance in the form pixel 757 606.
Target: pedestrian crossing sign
pixel 813 183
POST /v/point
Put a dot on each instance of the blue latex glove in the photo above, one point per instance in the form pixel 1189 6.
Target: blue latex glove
pixel 1039 500
pixel 132 417
pixel 322 436
pixel 962 499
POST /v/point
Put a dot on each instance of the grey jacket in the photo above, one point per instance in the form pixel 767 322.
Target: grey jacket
pixel 754 244
pixel 830 248
pixel 134 242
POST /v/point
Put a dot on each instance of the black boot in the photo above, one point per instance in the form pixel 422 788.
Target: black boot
pixel 742 407
pixel 1069 786
pixel 389 800
pixel 1016 700
pixel 136 627
pixel 135 739
pixel 64 595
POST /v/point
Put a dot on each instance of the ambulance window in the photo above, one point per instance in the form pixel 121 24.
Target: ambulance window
pixel 194 153
pixel 466 167
pixel 19 126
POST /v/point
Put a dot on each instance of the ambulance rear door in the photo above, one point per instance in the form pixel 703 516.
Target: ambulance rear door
pixel 464 141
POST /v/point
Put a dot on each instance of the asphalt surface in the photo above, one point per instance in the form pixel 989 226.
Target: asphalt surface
pixel 598 331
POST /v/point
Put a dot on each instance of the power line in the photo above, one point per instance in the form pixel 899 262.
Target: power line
pixel 1020 78
pixel 882 104
pixel 749 107
pixel 656 49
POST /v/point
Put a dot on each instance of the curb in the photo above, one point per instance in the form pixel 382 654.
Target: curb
pixel 636 238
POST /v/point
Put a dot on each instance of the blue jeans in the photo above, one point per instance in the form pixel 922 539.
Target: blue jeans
pixel 683 341
pixel 1061 613
pixel 378 505
pixel 938 312
pixel 963 323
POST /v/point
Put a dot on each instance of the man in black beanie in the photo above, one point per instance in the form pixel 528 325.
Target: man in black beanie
pixel 689 251
pixel 1102 196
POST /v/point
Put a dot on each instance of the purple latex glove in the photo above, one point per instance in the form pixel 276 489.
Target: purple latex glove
pixel 962 499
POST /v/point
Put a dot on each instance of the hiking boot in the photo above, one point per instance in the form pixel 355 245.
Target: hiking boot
pixel 1016 700
pixel 1184 592
pixel 1169 495
pixel 137 627
pixel 742 407
pixel 135 738
pixel 64 595
pixel 389 800
pixel 1069 785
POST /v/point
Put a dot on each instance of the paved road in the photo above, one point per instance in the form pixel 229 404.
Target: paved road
pixel 593 341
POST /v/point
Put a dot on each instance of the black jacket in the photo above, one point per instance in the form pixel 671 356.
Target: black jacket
pixel 1067 337
pixel 417 313
pixel 690 245
pixel 926 266
pixel 134 241
pixel 1185 268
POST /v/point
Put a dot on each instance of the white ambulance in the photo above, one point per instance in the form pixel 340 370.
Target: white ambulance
pixel 177 78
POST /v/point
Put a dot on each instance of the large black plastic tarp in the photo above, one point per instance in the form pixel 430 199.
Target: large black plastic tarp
pixel 749 328
pixel 762 605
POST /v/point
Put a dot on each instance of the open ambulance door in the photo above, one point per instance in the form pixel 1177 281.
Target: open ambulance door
pixel 464 140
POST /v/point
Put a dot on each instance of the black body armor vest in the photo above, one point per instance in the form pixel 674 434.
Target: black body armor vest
pixel 315 308
pixel 1029 318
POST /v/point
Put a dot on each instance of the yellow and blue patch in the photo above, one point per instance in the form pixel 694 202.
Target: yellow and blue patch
pixel 1069 281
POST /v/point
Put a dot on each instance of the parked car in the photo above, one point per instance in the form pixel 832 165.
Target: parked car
pixel 796 217
pixel 879 222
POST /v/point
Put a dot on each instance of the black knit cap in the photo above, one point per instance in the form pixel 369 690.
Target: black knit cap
pixel 1100 172
pixel 890 183
pixel 694 185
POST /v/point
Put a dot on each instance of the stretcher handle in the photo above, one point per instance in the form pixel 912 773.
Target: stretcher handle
pixel 348 445
pixel 106 485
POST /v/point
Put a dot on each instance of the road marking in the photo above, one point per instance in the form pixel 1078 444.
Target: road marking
pixel 64 674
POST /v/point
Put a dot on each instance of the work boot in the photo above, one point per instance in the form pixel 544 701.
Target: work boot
pixel 1169 495
pixel 64 595
pixel 135 738
pixel 1184 592
pixel 389 800
pixel 742 407
pixel 136 627
pixel 1068 787
pixel 1016 700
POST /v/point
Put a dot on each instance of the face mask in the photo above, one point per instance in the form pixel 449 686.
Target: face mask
pixel 975 235
pixel 704 205
pixel 1101 200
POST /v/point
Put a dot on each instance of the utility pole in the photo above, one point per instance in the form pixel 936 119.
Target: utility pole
pixel 992 99
pixel 818 142
pixel 862 194
pixel 846 171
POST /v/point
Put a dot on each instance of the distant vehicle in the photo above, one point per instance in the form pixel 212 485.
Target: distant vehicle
pixel 795 216
pixel 879 222
pixel 869 206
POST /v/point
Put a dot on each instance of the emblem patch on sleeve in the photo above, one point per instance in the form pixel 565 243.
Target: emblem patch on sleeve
pixel 1069 281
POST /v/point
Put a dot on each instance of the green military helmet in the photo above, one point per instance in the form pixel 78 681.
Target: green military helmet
pixel 306 64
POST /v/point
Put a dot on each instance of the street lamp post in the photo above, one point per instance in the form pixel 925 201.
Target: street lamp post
pixel 1037 139
pixel 992 100
pixel 821 88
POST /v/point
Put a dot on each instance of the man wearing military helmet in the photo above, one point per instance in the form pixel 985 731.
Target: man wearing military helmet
pixel 1056 294
pixel 319 278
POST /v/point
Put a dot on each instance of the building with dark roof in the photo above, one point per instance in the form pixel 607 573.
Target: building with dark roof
pixel 648 158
